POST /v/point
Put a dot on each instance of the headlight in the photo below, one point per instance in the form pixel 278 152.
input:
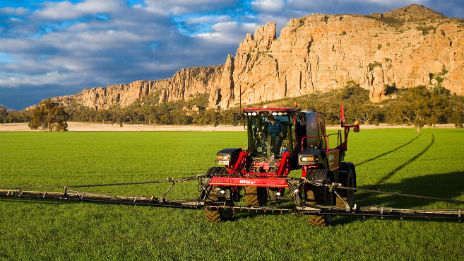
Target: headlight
pixel 307 158
pixel 223 157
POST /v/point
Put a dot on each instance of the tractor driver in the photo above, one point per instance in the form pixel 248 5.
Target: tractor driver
pixel 275 131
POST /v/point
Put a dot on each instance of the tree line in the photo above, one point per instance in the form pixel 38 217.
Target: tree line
pixel 418 106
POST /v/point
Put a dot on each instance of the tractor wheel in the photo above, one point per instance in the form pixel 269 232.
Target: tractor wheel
pixel 319 221
pixel 255 196
pixel 218 214
pixel 319 196
pixel 348 180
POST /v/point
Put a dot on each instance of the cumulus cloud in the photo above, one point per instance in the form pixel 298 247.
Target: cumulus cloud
pixel 226 33
pixel 67 10
pixel 14 11
pixel 268 5
pixel 209 19
pixel 180 7
pixel 66 44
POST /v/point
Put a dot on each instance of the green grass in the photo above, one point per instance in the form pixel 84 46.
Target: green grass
pixel 387 159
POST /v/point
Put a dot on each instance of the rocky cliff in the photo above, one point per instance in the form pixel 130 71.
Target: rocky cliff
pixel 405 47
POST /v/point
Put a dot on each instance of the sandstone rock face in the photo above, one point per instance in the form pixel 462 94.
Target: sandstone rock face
pixel 405 48
pixel 190 82
pixel 185 84
pixel 106 97
pixel 323 52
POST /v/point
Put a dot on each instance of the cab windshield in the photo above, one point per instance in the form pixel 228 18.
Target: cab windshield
pixel 268 136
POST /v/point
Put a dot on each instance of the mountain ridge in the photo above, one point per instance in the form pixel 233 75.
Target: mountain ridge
pixel 402 48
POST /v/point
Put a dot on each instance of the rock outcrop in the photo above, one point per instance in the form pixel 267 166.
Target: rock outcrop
pixel 105 97
pixel 190 82
pixel 404 48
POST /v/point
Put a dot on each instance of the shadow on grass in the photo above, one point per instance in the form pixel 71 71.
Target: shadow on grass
pixel 388 152
pixel 444 185
pixel 411 160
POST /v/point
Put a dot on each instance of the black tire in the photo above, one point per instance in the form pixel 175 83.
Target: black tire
pixel 255 196
pixel 218 214
pixel 319 196
pixel 348 179
pixel 319 220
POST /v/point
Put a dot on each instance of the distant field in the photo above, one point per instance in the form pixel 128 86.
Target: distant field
pixel 430 163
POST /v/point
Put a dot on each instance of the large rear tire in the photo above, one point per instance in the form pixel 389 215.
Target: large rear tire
pixel 218 214
pixel 255 196
pixel 319 196
pixel 348 180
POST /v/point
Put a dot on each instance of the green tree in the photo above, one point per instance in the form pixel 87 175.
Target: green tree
pixel 414 107
pixel 3 114
pixel 440 100
pixel 457 110
pixel 49 115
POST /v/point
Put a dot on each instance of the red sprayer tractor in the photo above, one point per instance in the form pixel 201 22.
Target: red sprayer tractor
pixel 282 140
pixel 281 143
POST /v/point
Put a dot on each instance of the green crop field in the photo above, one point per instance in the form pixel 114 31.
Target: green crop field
pixel 401 160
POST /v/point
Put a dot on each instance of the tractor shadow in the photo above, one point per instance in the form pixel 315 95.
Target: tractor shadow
pixel 388 152
pixel 440 185
pixel 444 185
pixel 411 160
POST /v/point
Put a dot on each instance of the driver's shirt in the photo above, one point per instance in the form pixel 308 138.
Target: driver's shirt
pixel 274 129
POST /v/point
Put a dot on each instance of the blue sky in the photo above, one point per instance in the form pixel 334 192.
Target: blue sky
pixel 54 47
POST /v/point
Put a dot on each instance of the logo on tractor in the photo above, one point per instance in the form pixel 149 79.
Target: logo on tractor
pixel 245 181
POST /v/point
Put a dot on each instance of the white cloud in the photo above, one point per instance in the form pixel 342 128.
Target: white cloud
pixel 180 7
pixel 14 11
pixel 227 33
pixel 208 19
pixel 250 27
pixel 268 5
pixel 67 10
pixel 32 80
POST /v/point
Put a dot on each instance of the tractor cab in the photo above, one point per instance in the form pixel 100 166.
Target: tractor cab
pixel 274 131
pixel 271 132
